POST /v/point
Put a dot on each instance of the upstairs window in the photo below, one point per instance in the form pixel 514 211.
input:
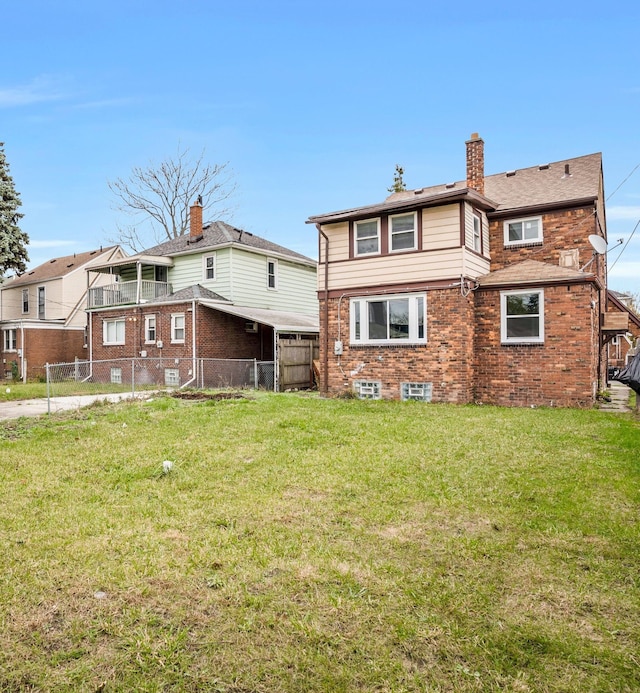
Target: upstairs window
pixel 272 274
pixel 25 300
pixel 522 317
pixel 209 269
pixel 403 230
pixel 389 320
pixel 523 231
pixel 477 233
pixel 41 302
pixel 367 237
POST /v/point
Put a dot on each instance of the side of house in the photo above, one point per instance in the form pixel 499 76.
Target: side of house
pixel 42 315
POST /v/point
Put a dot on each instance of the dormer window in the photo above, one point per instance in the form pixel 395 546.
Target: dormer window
pixel 403 231
pixel 367 237
pixel 523 231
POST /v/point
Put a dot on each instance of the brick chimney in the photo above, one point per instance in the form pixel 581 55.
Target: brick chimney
pixel 475 163
pixel 195 219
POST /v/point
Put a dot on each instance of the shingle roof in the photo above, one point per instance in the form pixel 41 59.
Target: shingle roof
pixel 190 293
pixel 535 186
pixel 532 272
pixel 58 267
pixel 219 233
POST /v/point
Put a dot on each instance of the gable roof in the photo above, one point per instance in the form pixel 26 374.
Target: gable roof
pixel 57 267
pixel 536 186
pixel 532 272
pixel 189 293
pixel 614 298
pixel 220 234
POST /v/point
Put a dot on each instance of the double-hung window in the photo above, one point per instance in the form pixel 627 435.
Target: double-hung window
pixel 394 320
pixel 149 329
pixel 522 317
pixel 523 231
pixel 10 340
pixel 477 233
pixel 403 232
pixel 367 237
pixel 25 301
pixel 177 327
pixel 272 274
pixel 209 269
pixel 41 302
pixel 113 331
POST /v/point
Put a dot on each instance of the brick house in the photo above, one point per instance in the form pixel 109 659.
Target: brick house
pixel 619 346
pixel 42 316
pixel 216 293
pixel 488 290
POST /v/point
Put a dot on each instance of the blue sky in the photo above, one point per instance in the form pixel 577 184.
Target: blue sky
pixel 311 103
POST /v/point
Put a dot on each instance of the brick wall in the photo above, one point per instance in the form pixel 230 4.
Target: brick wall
pixel 446 360
pixel 218 335
pixel 563 371
pixel 561 230
pixel 42 346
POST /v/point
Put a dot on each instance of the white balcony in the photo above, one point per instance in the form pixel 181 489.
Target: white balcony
pixel 126 293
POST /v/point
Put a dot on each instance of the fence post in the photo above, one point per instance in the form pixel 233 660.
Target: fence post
pixel 133 378
pixel 46 366
pixel 255 374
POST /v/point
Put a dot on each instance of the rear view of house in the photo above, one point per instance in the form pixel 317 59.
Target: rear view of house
pixel 492 289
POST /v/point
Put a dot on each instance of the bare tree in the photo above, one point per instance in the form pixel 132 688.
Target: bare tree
pixel 159 196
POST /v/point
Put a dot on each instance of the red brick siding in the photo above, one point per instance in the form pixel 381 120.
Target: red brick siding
pixel 563 371
pixel 446 360
pixel 218 335
pixel 561 230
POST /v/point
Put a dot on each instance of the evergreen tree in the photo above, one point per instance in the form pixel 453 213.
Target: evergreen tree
pixel 13 241
pixel 398 183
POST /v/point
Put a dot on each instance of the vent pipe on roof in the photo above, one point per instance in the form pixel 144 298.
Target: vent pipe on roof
pixel 567 172
pixel 475 163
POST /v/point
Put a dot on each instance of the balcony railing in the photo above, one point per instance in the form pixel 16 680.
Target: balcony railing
pixel 123 293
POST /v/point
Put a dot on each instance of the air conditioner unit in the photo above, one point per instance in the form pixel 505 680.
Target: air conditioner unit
pixel 251 327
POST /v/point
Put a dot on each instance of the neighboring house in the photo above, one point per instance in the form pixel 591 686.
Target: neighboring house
pixel 42 316
pixel 216 293
pixel 489 290
pixel 619 345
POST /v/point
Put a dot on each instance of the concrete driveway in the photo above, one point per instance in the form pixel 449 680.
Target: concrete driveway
pixel 37 407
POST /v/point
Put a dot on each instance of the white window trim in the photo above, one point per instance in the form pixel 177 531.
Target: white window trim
pixel 503 318
pixel 355 237
pixel 415 232
pixel 363 302
pixel 173 328
pixel 526 241
pixel 105 335
pixel 147 320
pixel 476 236
pixel 42 306
pixel 116 375
pixel 25 292
pixel 274 262
pixel 9 344
pixel 211 256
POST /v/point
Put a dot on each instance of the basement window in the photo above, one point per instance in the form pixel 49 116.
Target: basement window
pixel 171 377
pixel 116 376
pixel 420 392
pixel 368 389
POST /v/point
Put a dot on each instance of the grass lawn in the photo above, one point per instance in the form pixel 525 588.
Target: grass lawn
pixel 307 544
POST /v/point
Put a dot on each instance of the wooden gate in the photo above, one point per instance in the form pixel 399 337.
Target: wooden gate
pixel 295 360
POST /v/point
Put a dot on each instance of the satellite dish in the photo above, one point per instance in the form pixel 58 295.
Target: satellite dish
pixel 598 244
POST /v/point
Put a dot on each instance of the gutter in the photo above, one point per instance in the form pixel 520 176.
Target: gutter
pixel 325 317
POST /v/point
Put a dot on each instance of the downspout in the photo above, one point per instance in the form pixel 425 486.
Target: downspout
pixel 194 374
pixel 276 363
pixel 325 366
pixel 22 352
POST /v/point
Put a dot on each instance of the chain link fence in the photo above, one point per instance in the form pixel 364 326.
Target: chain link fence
pixel 140 374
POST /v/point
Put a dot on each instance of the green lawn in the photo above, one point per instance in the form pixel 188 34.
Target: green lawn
pixel 307 544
